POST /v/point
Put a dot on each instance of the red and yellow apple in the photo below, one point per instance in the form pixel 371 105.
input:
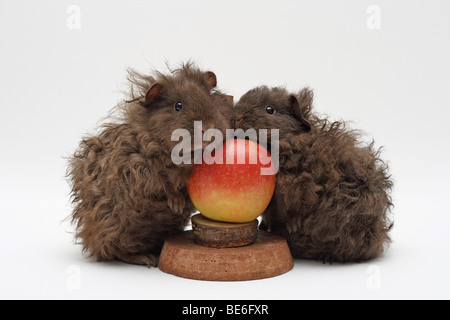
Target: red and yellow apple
pixel 234 190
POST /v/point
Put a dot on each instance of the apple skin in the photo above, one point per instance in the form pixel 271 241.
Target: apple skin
pixel 232 192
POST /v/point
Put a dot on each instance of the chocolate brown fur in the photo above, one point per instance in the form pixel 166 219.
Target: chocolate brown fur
pixel 127 193
pixel 332 196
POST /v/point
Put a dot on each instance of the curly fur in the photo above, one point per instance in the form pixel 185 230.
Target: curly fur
pixel 332 197
pixel 127 193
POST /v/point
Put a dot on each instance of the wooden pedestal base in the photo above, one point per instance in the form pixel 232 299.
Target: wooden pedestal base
pixel 267 257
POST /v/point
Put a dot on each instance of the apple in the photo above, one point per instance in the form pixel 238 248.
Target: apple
pixel 234 190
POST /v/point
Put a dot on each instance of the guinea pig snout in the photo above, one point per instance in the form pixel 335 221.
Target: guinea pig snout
pixel 207 125
pixel 237 121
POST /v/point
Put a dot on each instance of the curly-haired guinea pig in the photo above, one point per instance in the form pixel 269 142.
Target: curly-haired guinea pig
pixel 127 193
pixel 332 195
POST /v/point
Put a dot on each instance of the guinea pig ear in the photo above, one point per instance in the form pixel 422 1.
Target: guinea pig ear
pixel 297 112
pixel 230 99
pixel 211 79
pixel 152 94
pixel 305 99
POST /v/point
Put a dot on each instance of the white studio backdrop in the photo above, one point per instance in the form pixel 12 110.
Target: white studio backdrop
pixel 384 65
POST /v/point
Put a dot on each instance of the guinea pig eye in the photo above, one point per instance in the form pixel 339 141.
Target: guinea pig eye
pixel 270 110
pixel 178 106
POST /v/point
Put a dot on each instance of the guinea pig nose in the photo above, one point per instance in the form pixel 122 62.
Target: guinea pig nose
pixel 237 121
pixel 207 126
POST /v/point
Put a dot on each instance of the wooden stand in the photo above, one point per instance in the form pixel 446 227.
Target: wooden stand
pixel 219 251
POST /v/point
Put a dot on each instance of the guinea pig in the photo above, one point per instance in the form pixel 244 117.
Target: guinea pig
pixel 128 194
pixel 332 196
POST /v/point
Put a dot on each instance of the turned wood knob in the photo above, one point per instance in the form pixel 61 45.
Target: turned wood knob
pixel 218 234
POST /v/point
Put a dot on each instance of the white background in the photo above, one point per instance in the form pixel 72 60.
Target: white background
pixel 57 82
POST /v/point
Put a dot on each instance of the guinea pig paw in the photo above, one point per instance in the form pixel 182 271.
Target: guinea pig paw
pixel 293 225
pixel 291 228
pixel 150 260
pixel 147 259
pixel 176 202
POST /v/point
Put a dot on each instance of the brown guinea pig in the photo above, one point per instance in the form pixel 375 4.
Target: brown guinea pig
pixel 332 195
pixel 128 195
